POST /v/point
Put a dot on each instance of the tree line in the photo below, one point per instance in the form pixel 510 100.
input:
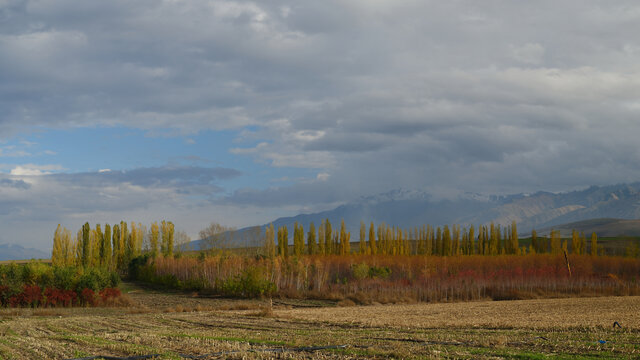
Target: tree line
pixel 492 239
pixel 113 247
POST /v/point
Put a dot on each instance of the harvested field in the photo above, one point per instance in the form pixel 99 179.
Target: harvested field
pixel 175 326
pixel 531 314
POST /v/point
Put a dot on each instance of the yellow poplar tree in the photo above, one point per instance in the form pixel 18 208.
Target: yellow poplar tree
pixel 363 241
pixel 57 255
pixel 311 240
pixel 372 240
pixel 153 239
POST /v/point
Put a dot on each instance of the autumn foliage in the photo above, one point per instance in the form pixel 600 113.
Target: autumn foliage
pixel 40 285
pixel 387 278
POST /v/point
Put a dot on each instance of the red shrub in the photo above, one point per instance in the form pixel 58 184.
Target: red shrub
pixel 32 295
pixel 5 294
pixel 88 297
pixel 109 293
pixel 56 297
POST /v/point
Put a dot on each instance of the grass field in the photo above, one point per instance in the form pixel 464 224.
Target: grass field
pixel 177 326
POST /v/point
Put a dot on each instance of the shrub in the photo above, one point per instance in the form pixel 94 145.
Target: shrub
pixel 58 297
pixel 88 297
pixel 93 279
pixel 249 284
pixel 109 293
pixel 382 272
pixel 31 295
pixel 64 277
pixel 136 266
pixel 360 271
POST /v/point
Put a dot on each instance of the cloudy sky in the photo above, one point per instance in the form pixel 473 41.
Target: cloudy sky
pixel 240 112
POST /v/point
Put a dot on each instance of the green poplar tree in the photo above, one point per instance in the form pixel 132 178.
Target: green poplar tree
pixel 115 260
pixel 311 240
pixel 86 244
pixel 108 252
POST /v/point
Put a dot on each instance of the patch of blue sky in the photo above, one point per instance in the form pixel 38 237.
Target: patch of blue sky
pixel 90 149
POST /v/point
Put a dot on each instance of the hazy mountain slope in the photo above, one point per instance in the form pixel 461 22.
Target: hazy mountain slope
pixel 603 227
pixel 17 252
pixel 409 209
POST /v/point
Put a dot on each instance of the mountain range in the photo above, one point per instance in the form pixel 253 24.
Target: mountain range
pixel 17 252
pixel 411 208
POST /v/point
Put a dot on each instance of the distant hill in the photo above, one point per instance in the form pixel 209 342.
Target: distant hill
pixel 408 209
pixel 602 227
pixel 17 252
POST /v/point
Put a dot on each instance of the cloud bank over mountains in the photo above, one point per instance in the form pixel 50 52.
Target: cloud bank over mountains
pixel 349 98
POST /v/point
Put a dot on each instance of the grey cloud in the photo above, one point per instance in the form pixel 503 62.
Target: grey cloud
pixel 304 193
pixel 487 97
pixel 17 184
pixel 183 178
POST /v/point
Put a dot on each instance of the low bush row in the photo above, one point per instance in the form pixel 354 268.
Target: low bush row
pixel 34 296
pixel 383 278
pixel 41 285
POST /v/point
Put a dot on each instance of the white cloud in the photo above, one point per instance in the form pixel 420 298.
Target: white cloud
pixel 34 170
pixel 322 176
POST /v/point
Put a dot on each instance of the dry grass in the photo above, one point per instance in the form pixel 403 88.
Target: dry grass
pixel 563 328
pixel 533 314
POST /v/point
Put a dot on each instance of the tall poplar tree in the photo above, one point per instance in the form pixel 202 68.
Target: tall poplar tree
pixel 270 245
pixel 86 245
pixel 322 250
pixel 108 252
pixel 328 235
pixel 68 248
pixel 446 241
pixel 534 241
pixel 439 248
pixel 373 247
pixel 154 236
pixel 312 246
pixel 515 243
pixel 363 239
pixel 115 260
pixel 345 249
pixel 57 253
pixel 101 247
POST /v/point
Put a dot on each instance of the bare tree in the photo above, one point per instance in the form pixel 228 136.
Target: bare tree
pixel 216 236
pixel 182 242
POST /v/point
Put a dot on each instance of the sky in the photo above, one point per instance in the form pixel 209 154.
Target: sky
pixel 240 112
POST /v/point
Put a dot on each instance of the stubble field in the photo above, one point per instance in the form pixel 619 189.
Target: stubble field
pixel 178 326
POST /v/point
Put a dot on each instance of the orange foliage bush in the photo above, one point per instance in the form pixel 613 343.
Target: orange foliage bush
pixel 397 278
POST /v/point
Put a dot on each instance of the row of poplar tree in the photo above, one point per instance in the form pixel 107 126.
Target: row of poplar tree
pixel 112 248
pixel 425 240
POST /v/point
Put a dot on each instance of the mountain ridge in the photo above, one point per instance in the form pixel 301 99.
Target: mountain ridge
pixel 411 208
